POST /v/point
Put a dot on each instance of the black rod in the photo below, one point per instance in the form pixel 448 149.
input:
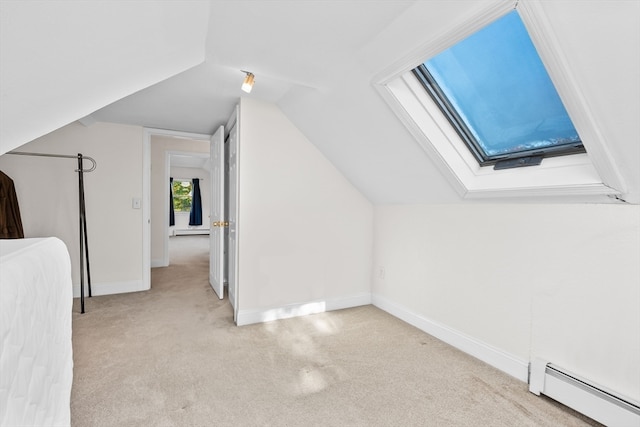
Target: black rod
pixel 81 218
pixel 84 220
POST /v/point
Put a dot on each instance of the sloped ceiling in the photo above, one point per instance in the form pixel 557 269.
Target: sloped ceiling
pixel 317 60
pixel 62 60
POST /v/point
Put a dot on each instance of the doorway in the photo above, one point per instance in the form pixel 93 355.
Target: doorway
pixel 156 254
pixel 183 167
pixel 155 201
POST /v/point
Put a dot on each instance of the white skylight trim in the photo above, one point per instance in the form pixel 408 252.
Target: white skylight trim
pixel 579 174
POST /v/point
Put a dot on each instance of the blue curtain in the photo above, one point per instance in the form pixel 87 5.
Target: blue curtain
pixel 195 216
pixel 172 215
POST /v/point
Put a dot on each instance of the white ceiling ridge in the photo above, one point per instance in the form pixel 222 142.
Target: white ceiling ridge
pixel 87 121
pixel 261 75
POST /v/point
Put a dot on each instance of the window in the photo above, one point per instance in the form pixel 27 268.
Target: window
pixel 579 176
pixel 497 95
pixel 182 193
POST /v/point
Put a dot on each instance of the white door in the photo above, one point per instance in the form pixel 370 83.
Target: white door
pixel 216 236
pixel 232 217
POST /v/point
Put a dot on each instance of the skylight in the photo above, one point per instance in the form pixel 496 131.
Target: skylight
pixel 450 142
pixel 495 91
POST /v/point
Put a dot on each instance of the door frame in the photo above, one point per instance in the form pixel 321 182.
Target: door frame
pixel 147 133
pixel 167 174
pixel 217 193
pixel 234 123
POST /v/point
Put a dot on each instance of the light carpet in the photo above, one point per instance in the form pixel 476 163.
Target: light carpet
pixel 172 356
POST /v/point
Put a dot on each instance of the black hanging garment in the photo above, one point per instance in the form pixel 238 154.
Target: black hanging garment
pixel 10 222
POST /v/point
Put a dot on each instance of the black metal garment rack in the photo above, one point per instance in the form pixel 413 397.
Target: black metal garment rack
pixel 82 215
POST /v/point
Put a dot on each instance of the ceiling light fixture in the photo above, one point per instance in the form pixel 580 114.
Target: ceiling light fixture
pixel 247 85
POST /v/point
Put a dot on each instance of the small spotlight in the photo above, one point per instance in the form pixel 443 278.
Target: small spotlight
pixel 247 85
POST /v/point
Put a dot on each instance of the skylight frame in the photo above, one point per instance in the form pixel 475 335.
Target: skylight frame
pixel 432 88
pixel 578 177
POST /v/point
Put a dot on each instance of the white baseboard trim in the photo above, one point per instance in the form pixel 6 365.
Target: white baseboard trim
pixel 111 288
pixel 159 263
pixel 497 358
pixel 248 317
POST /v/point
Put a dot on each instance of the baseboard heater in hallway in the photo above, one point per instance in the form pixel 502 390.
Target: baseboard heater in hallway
pixel 191 231
pixel 589 399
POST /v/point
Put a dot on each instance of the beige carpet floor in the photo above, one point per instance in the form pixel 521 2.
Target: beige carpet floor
pixel 172 356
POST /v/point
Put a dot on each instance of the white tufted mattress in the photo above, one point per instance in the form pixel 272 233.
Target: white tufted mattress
pixel 36 363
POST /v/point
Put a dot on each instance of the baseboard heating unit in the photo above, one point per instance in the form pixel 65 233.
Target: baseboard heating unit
pixel 190 231
pixel 589 399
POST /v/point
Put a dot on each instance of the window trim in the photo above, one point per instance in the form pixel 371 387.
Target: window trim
pixel 576 175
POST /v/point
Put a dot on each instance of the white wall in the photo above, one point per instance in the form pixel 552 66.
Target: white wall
pixel 305 233
pixel 48 196
pixel 160 145
pixel 560 282
pixel 182 218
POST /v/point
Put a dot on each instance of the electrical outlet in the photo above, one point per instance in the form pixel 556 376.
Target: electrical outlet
pixel 381 272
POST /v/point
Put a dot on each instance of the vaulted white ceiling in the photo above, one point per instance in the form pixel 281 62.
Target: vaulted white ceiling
pixel 62 60
pixel 176 65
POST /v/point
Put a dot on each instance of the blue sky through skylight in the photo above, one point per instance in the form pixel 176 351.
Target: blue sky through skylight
pixel 501 90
